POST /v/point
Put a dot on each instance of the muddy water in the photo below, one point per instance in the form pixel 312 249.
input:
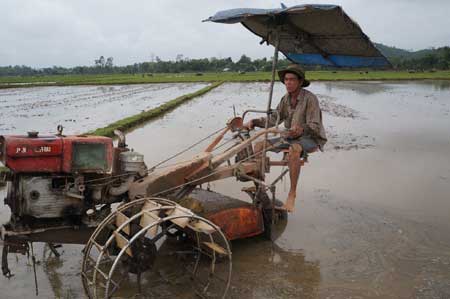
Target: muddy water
pixel 372 215
pixel 80 108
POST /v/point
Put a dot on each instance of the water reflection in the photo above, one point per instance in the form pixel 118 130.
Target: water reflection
pixel 435 85
pixel 51 264
pixel 361 88
pixel 63 272
pixel 375 87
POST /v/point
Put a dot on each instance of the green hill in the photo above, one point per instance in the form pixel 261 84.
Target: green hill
pixel 393 52
pixel 434 58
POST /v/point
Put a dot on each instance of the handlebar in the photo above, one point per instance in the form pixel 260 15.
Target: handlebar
pixel 257 111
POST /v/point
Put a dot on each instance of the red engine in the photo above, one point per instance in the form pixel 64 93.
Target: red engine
pixel 56 154
pixel 66 178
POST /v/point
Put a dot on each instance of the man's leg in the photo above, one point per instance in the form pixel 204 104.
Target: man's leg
pixel 258 148
pixel 295 151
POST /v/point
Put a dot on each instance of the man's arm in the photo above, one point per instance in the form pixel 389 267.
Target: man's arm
pixel 313 116
pixel 261 122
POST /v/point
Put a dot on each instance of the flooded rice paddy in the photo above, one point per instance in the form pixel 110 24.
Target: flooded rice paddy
pixel 372 217
pixel 80 108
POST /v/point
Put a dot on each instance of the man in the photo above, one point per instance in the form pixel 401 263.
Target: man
pixel 299 110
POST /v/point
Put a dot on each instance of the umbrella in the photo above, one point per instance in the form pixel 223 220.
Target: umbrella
pixel 309 34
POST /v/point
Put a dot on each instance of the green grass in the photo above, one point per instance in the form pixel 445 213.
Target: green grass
pixel 213 77
pixel 131 122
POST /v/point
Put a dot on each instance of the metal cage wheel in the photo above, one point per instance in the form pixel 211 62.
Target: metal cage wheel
pixel 153 247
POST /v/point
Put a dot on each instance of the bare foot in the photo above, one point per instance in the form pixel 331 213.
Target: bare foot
pixel 290 202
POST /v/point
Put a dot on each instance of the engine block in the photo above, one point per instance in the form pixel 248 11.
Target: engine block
pixel 42 198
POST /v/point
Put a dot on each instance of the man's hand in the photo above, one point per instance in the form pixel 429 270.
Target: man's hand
pixel 294 132
pixel 250 125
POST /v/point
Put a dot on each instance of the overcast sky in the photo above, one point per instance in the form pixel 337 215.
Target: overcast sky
pixel 43 33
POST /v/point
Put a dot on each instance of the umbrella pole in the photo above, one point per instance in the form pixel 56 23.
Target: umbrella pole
pixel 269 103
pixel 268 115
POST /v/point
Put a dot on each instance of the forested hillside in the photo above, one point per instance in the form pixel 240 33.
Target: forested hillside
pixel 428 59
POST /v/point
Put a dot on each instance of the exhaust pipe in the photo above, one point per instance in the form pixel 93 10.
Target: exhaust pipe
pixel 121 136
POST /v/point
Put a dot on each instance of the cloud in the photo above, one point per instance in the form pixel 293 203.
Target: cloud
pixel 49 32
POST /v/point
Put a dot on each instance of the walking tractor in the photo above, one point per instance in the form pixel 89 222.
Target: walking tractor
pixel 136 220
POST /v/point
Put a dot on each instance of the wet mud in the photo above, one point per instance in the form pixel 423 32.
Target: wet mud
pixel 372 213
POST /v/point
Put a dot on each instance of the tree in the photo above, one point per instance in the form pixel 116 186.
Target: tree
pixel 446 53
pixel 100 62
pixel 245 60
pixel 179 57
pixel 109 62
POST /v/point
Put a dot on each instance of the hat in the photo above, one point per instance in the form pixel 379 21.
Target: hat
pixel 293 69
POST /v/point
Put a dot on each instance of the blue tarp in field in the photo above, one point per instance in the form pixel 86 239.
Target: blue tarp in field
pixel 310 34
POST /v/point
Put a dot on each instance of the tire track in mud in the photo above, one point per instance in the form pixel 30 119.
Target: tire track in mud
pixel 339 140
pixel 328 105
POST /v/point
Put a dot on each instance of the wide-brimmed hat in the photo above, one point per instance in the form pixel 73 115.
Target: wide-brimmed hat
pixel 294 69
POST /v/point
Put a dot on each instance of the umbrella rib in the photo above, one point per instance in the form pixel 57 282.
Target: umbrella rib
pixel 294 30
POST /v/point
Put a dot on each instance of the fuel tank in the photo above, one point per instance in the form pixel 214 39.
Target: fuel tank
pixel 56 154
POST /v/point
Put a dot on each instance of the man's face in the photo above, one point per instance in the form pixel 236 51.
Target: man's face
pixel 292 82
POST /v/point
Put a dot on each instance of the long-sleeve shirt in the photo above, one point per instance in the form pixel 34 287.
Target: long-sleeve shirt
pixel 306 114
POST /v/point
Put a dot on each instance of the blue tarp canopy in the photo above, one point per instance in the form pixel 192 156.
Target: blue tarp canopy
pixel 310 34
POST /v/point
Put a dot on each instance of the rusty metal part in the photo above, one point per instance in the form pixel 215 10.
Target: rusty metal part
pixel 240 222
pixel 236 218
pixel 235 124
